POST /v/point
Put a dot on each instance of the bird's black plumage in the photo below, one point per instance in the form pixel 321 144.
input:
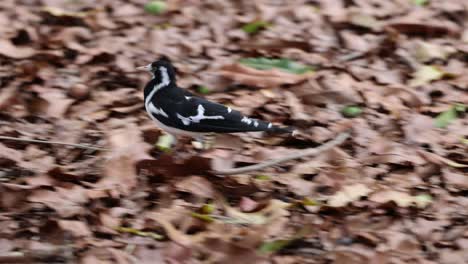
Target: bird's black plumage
pixel 178 110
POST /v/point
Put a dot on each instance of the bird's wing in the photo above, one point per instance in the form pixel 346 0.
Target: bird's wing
pixel 199 115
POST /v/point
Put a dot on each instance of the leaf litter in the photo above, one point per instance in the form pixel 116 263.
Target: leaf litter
pixel 394 71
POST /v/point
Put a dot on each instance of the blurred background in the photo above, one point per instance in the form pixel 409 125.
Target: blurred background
pixel 393 71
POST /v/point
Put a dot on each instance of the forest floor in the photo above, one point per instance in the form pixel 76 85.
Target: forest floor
pixel 395 72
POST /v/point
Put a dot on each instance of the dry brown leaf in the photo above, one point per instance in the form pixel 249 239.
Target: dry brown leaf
pixel 347 194
pixel 7 95
pixel 196 185
pixel 76 228
pixel 429 29
pixel 455 179
pixel 54 103
pixel 9 50
pixel 128 148
pixel 66 202
pixel 402 199
pixel 436 159
pixel 261 78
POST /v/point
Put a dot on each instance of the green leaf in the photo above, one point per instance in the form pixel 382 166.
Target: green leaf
pixel 262 177
pixel 445 118
pixel 351 111
pixel 137 232
pixel 156 7
pixel 204 217
pixel 207 208
pixel 165 142
pixel 310 202
pixel 254 27
pixel 464 141
pixel 203 89
pixel 422 200
pixel 420 2
pixel 282 64
pixel 426 74
pixel 273 246
pixel 277 245
pixel 460 107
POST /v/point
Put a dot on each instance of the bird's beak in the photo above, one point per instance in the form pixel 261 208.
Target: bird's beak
pixel 144 68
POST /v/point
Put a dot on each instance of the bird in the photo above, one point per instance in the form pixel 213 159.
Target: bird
pixel 181 113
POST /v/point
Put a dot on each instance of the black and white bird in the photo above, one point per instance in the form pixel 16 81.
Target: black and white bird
pixel 179 112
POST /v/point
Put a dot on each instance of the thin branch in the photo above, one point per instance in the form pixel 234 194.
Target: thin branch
pixel 301 154
pixel 53 143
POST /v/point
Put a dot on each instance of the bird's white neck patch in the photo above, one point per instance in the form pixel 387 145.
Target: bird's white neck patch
pixel 165 81
pixel 197 118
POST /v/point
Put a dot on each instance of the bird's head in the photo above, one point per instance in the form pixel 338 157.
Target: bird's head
pixel 162 70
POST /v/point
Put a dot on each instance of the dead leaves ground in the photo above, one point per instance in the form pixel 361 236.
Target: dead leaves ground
pixel 394 193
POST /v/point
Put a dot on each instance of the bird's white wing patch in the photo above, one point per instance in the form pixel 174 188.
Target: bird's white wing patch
pixel 197 118
pixel 185 120
pixel 154 109
pixel 229 109
pixel 246 120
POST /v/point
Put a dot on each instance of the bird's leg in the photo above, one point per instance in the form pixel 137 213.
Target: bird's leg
pixel 209 140
pixel 205 141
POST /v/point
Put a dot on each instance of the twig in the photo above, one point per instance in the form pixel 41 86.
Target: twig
pixel 52 143
pixel 306 153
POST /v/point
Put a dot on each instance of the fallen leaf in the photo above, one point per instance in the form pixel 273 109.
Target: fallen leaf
pixel 204 217
pixel 420 2
pixel 426 51
pixel 247 205
pixel 9 50
pixel 196 185
pixel 434 158
pixel 76 228
pixel 445 118
pixel 155 7
pixel 165 142
pixel 402 199
pixel 285 65
pixel 137 232
pixel 347 194
pixel 261 78
pixel 274 210
pixel 54 102
pixel 351 111
pixel 127 149
pixel 428 29
pixel 277 245
pixel 203 90
pixel 364 20
pixel 7 96
pixel 254 27
pixel 425 75
pixel 66 202
pixel 455 179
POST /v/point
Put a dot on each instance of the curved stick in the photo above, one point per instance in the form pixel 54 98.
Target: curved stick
pixel 306 153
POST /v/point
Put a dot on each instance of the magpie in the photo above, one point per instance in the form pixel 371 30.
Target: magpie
pixel 179 112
